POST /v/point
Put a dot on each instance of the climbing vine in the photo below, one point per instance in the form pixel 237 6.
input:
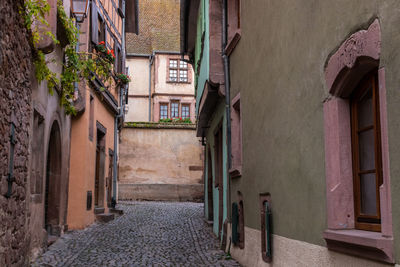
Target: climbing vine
pixel 77 66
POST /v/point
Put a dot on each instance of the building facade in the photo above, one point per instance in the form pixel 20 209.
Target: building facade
pixel 161 158
pixel 100 114
pixel 312 143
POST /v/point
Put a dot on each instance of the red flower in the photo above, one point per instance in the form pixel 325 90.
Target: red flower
pixel 102 43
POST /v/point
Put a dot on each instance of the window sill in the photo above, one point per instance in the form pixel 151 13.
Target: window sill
pixel 365 244
pixel 179 82
pixel 233 42
pixel 235 172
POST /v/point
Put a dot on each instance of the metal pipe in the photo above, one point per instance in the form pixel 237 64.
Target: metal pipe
pixel 121 113
pixel 151 58
pixel 227 96
pixel 76 90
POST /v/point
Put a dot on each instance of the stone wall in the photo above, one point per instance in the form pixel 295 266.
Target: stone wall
pixel 160 162
pixel 15 97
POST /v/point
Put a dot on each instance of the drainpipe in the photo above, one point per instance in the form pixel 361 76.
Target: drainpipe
pixel 120 114
pixel 76 93
pixel 227 96
pixel 151 60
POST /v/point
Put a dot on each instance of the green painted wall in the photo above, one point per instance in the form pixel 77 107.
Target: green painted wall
pixel 278 67
pixel 202 62
pixel 219 116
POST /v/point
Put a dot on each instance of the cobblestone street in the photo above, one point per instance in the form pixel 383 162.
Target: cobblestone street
pixel 148 234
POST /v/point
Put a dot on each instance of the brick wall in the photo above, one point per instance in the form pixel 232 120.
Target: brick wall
pixel 15 95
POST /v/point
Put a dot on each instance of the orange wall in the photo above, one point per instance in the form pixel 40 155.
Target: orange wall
pixel 82 162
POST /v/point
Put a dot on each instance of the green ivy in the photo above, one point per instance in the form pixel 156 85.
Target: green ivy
pixel 77 66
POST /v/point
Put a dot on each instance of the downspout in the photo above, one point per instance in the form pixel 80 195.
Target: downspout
pixel 76 90
pixel 120 114
pixel 227 97
pixel 151 59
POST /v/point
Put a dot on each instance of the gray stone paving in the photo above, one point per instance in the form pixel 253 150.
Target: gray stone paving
pixel 148 234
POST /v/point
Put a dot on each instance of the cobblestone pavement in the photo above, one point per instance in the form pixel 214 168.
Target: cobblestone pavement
pixel 148 234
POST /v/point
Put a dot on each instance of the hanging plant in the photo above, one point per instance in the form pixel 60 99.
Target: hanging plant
pixel 122 78
pixel 77 66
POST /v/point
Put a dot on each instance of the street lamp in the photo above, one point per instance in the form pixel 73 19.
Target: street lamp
pixel 79 9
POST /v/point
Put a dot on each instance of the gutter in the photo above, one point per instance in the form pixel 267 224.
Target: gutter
pixel 227 98
pixel 121 110
pixel 151 60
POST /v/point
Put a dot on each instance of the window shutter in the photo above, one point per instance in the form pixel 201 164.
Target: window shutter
pixel 235 223
pixel 116 56
pixel 94 22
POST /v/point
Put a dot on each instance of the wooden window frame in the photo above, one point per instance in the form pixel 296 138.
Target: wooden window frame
pixel 91 117
pixel 218 151
pixel 178 69
pixel 185 105
pixel 170 110
pixel 164 104
pixel 234 24
pixel 363 221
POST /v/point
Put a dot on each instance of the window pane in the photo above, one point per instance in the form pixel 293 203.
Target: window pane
pixel 183 76
pixel 174 109
pixel 173 63
pixel 368 193
pixel 163 111
pixel 173 75
pixel 182 65
pixel 365 110
pixel 185 112
pixel 367 150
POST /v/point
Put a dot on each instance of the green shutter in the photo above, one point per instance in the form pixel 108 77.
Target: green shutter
pixel 235 223
pixel 268 232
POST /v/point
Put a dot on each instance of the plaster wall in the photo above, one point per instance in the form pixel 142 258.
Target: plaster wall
pixel 202 56
pixel 48 106
pixel 139 73
pixel 219 117
pixel 281 56
pixel 291 252
pixel 161 84
pixel 83 162
pixel 138 109
pixel 159 157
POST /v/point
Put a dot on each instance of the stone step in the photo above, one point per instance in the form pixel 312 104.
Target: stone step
pixel 116 211
pixel 51 239
pixel 98 210
pixel 105 217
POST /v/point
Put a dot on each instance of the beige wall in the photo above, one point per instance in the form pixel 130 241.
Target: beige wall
pixel 160 156
pixel 291 252
pixel 161 90
pixel 161 84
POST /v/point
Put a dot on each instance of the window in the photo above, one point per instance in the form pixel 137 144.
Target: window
pixel 91 117
pixel 266 227
pixel 174 109
pixel 366 154
pixel 178 71
pixel 163 111
pixel 185 111
pixel 236 137
pixel 101 30
pixel 357 168
pixel 233 25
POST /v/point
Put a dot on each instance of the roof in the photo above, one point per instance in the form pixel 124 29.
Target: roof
pixel 159 27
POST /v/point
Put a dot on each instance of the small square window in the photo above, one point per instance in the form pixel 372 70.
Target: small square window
pixel 178 71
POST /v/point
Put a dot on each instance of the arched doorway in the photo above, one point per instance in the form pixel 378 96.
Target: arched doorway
pixel 53 182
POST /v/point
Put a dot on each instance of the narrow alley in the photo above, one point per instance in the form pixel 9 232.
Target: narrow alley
pixel 147 234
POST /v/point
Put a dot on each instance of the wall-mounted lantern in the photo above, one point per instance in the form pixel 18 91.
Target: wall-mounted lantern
pixel 79 9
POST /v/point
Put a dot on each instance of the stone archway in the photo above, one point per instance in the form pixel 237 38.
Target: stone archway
pixel 53 182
